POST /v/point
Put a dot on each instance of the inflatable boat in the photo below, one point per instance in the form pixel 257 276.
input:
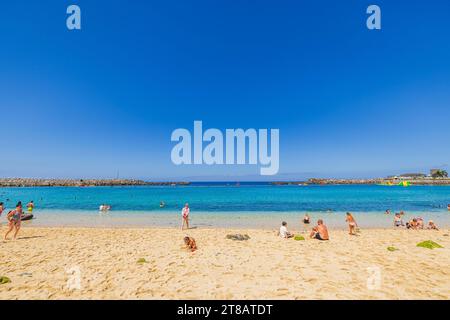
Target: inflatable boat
pixel 26 216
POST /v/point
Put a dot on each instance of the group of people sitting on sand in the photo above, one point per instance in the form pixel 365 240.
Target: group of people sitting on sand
pixel 414 223
pixel 418 223
pixel 319 232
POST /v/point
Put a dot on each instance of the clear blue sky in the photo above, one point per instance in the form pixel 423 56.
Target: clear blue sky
pixel 348 101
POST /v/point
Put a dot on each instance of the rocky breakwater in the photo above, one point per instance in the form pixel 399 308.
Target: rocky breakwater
pixel 345 181
pixel 422 181
pixel 25 182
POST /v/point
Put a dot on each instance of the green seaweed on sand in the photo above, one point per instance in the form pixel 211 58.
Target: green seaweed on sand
pixel 4 280
pixel 429 244
pixel 299 238
pixel 392 248
pixel 142 260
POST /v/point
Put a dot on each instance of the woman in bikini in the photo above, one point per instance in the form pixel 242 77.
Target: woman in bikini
pixel 190 243
pixel 351 223
pixel 30 206
pixel 14 218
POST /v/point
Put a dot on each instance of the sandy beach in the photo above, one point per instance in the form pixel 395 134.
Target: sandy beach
pixel 44 263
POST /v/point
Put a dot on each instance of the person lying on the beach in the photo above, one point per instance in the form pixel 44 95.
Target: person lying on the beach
pixel 14 218
pixel 320 232
pixel 306 219
pixel 351 223
pixel 284 233
pixel 190 243
pixel 432 225
pixel 398 221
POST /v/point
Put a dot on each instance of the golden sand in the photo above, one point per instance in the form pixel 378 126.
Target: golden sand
pixel 44 263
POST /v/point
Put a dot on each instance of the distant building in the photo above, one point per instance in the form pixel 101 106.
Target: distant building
pixel 434 171
pixel 438 173
pixel 413 175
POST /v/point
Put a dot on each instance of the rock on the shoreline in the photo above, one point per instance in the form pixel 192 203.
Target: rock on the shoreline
pixel 238 237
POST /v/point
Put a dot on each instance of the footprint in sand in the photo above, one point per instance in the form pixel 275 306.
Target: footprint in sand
pixel 282 292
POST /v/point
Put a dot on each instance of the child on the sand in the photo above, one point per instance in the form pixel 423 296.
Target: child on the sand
pixel 351 223
pixel 284 233
pixel 432 225
pixel 320 232
pixel 190 243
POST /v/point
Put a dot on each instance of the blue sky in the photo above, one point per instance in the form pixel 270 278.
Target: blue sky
pixel 349 102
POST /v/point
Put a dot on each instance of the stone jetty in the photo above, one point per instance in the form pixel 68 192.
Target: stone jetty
pixel 419 181
pixel 26 182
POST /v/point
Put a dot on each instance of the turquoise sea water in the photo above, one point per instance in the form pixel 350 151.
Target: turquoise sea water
pixel 229 205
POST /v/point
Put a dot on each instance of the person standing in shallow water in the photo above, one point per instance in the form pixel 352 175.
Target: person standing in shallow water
pixel 306 219
pixel 351 223
pixel 30 206
pixel 185 216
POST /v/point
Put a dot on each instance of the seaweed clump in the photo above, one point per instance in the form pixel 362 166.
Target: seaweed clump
pixel 4 280
pixel 429 244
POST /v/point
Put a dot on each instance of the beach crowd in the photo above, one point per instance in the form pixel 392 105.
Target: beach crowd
pixel 319 231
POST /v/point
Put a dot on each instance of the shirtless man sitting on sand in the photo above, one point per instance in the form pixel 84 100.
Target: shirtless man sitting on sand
pixel 320 232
